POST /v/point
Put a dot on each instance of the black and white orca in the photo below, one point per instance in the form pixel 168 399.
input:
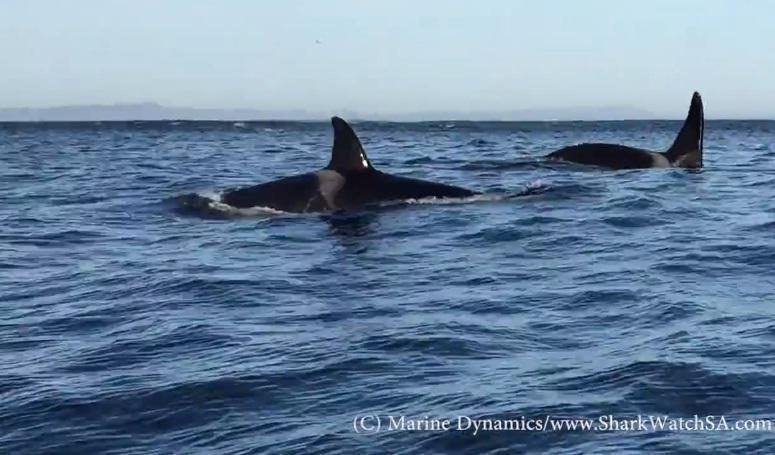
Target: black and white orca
pixel 348 182
pixel 685 152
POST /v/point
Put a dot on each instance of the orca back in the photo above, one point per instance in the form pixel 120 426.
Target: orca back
pixel 612 156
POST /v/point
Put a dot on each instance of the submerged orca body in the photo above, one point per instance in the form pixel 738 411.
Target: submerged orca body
pixel 348 182
pixel 686 151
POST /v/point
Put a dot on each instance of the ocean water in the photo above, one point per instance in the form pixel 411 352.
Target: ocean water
pixel 131 327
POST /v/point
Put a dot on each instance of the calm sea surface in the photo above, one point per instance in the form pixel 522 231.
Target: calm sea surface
pixel 130 327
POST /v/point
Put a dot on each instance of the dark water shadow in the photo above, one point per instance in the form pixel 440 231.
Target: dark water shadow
pixel 353 231
pixel 352 224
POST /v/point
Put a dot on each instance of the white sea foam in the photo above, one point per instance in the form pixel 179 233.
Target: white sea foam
pixel 449 200
pixel 215 204
pixel 227 209
pixel 531 188
pixel 534 186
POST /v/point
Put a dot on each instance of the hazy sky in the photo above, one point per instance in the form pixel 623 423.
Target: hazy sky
pixel 387 56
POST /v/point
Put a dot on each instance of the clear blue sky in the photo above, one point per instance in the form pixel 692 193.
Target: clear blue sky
pixel 391 56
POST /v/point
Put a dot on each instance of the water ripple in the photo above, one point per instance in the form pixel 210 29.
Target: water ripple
pixel 131 328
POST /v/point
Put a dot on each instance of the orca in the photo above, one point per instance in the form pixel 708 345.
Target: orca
pixel 686 151
pixel 348 182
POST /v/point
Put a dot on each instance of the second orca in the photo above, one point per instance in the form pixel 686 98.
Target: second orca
pixel 685 152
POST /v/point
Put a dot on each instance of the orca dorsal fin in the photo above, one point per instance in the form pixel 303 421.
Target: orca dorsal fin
pixel 347 153
pixel 686 151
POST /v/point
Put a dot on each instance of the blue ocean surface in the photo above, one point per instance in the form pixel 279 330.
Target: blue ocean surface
pixel 132 327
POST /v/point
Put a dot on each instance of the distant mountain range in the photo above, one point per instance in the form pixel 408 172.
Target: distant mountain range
pixel 154 111
pixel 141 111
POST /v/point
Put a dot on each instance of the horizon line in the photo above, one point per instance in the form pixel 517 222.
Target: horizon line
pixel 367 120
pixel 154 111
